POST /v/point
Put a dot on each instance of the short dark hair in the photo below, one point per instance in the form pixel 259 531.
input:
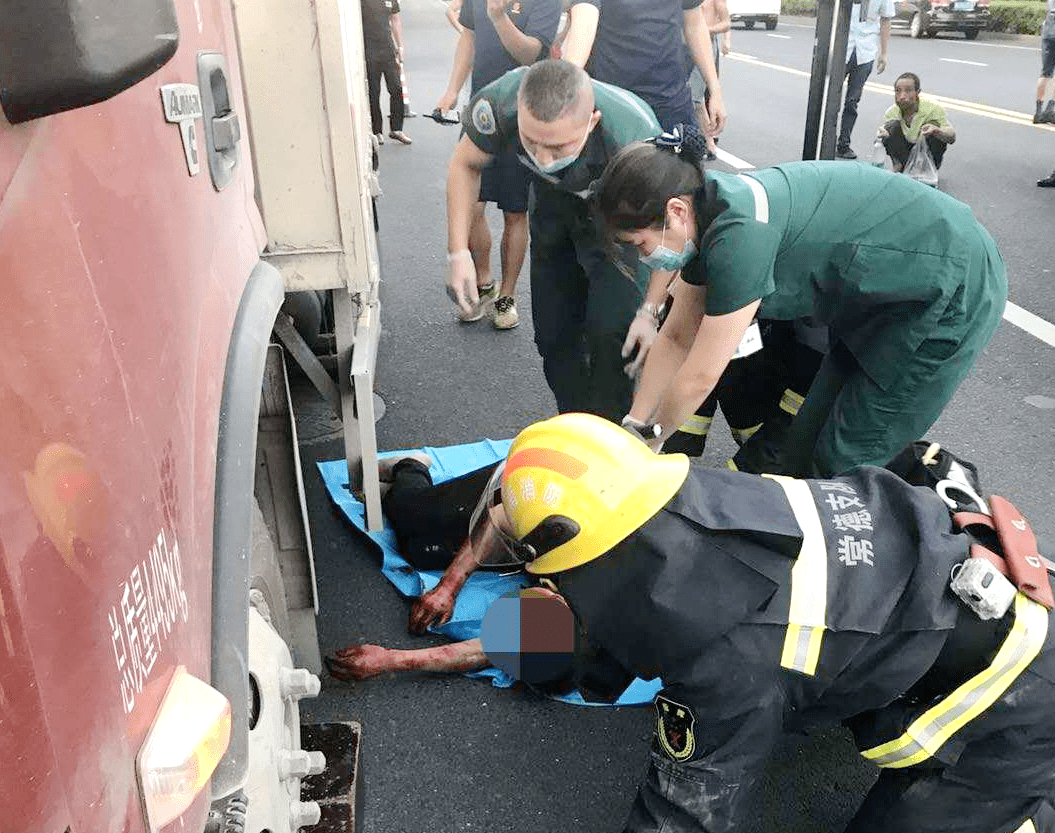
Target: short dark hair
pixel 911 75
pixel 551 88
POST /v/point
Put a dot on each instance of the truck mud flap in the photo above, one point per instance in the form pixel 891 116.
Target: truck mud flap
pixel 338 788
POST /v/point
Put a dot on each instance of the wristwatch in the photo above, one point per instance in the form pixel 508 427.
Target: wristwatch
pixel 647 432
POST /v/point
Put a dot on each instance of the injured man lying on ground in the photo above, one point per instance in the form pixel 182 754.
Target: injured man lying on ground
pixel 457 526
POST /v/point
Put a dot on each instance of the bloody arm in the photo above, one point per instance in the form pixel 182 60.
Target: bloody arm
pixel 436 606
pixel 361 662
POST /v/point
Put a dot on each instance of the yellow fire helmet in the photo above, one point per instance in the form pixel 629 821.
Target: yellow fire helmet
pixel 576 485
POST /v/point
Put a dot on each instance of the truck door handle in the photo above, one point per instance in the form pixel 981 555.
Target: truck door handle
pixel 226 131
pixel 222 127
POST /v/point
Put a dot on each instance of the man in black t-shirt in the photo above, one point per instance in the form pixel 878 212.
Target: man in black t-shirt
pixel 382 39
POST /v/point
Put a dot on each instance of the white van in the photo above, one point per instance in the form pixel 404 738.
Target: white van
pixel 750 12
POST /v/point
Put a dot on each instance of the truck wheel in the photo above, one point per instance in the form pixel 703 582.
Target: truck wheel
pixel 771 25
pixel 749 24
pixel 917 29
pixel 971 34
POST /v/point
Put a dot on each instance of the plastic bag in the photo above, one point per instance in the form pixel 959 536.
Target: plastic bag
pixel 920 165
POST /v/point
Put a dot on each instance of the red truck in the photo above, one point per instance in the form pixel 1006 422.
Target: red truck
pixel 155 563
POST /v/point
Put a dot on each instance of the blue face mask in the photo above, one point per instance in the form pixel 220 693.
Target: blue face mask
pixel 663 259
pixel 556 165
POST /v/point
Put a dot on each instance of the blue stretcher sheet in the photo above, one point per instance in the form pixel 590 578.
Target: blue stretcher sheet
pixel 482 588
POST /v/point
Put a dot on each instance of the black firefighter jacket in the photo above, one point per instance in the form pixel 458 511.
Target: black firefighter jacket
pixel 769 605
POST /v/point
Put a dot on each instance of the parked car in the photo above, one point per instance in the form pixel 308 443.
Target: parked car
pixel 925 18
pixel 750 12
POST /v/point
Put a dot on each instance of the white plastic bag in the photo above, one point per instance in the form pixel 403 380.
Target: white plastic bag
pixel 920 165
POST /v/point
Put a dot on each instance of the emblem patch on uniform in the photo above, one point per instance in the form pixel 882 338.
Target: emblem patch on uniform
pixel 674 728
pixel 484 117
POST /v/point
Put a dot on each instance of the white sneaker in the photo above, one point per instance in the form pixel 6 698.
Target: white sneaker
pixel 506 317
pixel 380 138
pixel 487 294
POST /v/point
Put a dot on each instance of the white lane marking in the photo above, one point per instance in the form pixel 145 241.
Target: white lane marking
pixel 994 45
pixel 958 61
pixel 734 161
pixel 782 37
pixel 751 59
pixel 1032 324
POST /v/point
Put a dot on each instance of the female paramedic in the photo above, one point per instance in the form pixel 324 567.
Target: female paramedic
pixel 907 282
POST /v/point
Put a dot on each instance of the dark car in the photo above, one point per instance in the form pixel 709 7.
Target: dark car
pixel 925 18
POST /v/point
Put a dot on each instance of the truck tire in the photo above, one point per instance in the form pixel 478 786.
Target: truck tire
pixel 771 25
pixel 917 28
pixel 749 24
pixel 971 34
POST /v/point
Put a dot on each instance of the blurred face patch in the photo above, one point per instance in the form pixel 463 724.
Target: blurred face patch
pixel 530 634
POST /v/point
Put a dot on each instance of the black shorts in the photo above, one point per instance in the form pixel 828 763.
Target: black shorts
pixel 505 182
pixel 1047 57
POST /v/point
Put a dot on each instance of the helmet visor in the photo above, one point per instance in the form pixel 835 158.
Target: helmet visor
pixel 489 530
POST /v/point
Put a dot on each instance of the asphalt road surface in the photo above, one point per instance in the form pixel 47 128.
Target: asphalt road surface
pixel 452 754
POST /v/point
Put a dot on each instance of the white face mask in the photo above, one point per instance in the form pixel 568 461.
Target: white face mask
pixel 557 164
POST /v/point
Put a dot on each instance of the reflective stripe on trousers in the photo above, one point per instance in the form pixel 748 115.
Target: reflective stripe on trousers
pixel 697 425
pixel 809 582
pixel 929 732
pixel 742 435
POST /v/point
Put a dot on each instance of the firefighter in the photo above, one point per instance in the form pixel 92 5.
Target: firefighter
pixel 768 604
pixel 908 284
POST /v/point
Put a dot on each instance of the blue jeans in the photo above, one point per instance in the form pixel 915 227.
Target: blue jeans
pixel 856 75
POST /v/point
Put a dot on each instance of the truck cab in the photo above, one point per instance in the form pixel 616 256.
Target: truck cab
pixel 157 595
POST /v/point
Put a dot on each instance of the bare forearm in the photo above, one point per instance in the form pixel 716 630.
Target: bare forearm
pixel 463 566
pixel 884 35
pixel 397 31
pixel 458 656
pixel 463 186
pixel 523 49
pixel 698 38
pixel 662 363
pixel 681 399
pixel 582 28
pixel 463 62
pixel 364 661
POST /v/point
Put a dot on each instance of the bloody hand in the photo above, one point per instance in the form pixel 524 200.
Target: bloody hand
pixel 358 662
pixel 434 608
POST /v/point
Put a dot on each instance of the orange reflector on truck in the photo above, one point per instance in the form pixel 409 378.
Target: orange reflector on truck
pixel 190 734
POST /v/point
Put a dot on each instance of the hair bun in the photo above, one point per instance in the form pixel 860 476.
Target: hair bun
pixel 693 143
pixel 684 140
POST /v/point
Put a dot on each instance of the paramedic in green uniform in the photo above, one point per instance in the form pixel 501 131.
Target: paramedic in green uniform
pixel 909 285
pixel 565 128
